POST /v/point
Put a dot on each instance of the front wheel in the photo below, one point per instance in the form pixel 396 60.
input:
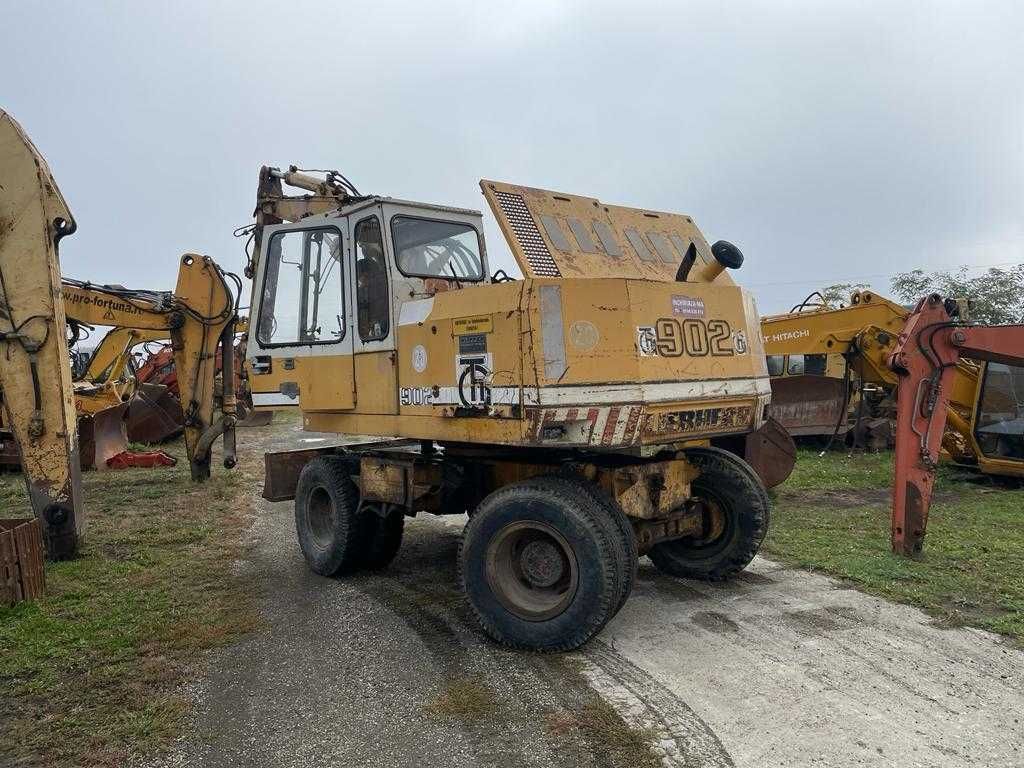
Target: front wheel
pixel 735 510
pixel 332 534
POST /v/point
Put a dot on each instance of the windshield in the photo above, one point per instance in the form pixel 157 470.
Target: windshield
pixel 303 301
pixel 430 248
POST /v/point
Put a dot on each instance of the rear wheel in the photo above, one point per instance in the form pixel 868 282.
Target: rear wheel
pixel 332 535
pixel 541 565
pixel 735 510
pixel 621 527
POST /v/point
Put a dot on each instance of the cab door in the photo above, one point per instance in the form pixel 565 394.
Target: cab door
pixel 299 351
pixel 373 333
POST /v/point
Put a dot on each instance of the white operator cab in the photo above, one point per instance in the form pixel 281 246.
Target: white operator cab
pixel 330 288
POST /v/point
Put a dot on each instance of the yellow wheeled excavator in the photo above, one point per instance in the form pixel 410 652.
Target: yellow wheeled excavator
pixel 35 372
pixel 984 426
pixel 571 413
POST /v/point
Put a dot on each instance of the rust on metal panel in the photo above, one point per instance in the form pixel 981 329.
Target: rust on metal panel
pixel 809 405
pixel 282 470
pixel 154 414
pixel 652 490
pixel 400 478
pixel 384 480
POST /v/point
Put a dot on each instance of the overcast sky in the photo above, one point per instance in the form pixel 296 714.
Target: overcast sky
pixel 831 141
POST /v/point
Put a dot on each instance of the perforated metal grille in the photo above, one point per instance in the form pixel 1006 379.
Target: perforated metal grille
pixel 525 228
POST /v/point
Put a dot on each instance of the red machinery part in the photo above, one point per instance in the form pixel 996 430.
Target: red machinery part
pixel 141 460
pixel 929 345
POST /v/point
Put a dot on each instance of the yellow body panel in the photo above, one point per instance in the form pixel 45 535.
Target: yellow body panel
pixel 556 234
pixel 546 353
pixel 608 343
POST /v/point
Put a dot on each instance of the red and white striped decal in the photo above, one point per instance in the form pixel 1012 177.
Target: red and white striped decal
pixel 610 426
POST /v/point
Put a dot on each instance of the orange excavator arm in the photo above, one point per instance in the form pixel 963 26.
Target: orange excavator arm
pixel 925 359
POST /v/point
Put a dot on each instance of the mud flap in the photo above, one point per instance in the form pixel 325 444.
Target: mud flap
pixel 771 452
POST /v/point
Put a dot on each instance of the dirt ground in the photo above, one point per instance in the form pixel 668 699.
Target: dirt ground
pixel 780 667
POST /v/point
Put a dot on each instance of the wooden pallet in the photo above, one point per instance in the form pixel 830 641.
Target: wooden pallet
pixel 21 561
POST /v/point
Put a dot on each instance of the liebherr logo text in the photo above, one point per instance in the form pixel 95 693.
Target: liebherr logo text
pixel 112 305
pixel 788 336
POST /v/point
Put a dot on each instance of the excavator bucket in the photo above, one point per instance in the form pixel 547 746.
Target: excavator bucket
pixel 809 405
pixel 154 415
pixel 102 436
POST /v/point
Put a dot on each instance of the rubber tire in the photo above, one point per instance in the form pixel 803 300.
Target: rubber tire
pixel 623 529
pixel 737 486
pixel 383 541
pixel 344 553
pixel 559 503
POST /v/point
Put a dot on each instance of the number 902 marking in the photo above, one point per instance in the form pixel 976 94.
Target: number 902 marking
pixel 693 337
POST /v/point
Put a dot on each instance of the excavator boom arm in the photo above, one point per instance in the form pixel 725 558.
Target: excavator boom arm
pixel 925 359
pixel 35 371
pixel 35 375
pixel 863 332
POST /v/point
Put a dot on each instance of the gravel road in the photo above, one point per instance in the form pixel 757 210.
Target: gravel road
pixel 777 668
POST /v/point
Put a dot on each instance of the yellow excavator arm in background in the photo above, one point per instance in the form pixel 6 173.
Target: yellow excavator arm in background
pixel 866 333
pixel 868 327
pixel 35 309
pixel 197 317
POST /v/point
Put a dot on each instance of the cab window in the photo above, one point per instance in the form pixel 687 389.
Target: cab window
pixel 302 300
pixel 371 281
pixel 430 248
pixel 776 365
pixel 1000 422
pixel 796 365
pixel 815 365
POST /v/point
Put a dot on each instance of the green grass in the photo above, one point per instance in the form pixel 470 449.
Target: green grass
pixel 464 699
pixel 832 516
pixel 91 673
pixel 597 723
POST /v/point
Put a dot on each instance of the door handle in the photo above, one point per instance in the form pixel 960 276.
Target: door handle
pixel 261 364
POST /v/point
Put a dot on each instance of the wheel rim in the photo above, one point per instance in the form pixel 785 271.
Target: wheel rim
pixel 717 529
pixel 532 570
pixel 320 517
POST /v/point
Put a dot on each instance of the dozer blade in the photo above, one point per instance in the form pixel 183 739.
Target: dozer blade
pixel 771 452
pixel 154 415
pixel 102 436
pixel 809 405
